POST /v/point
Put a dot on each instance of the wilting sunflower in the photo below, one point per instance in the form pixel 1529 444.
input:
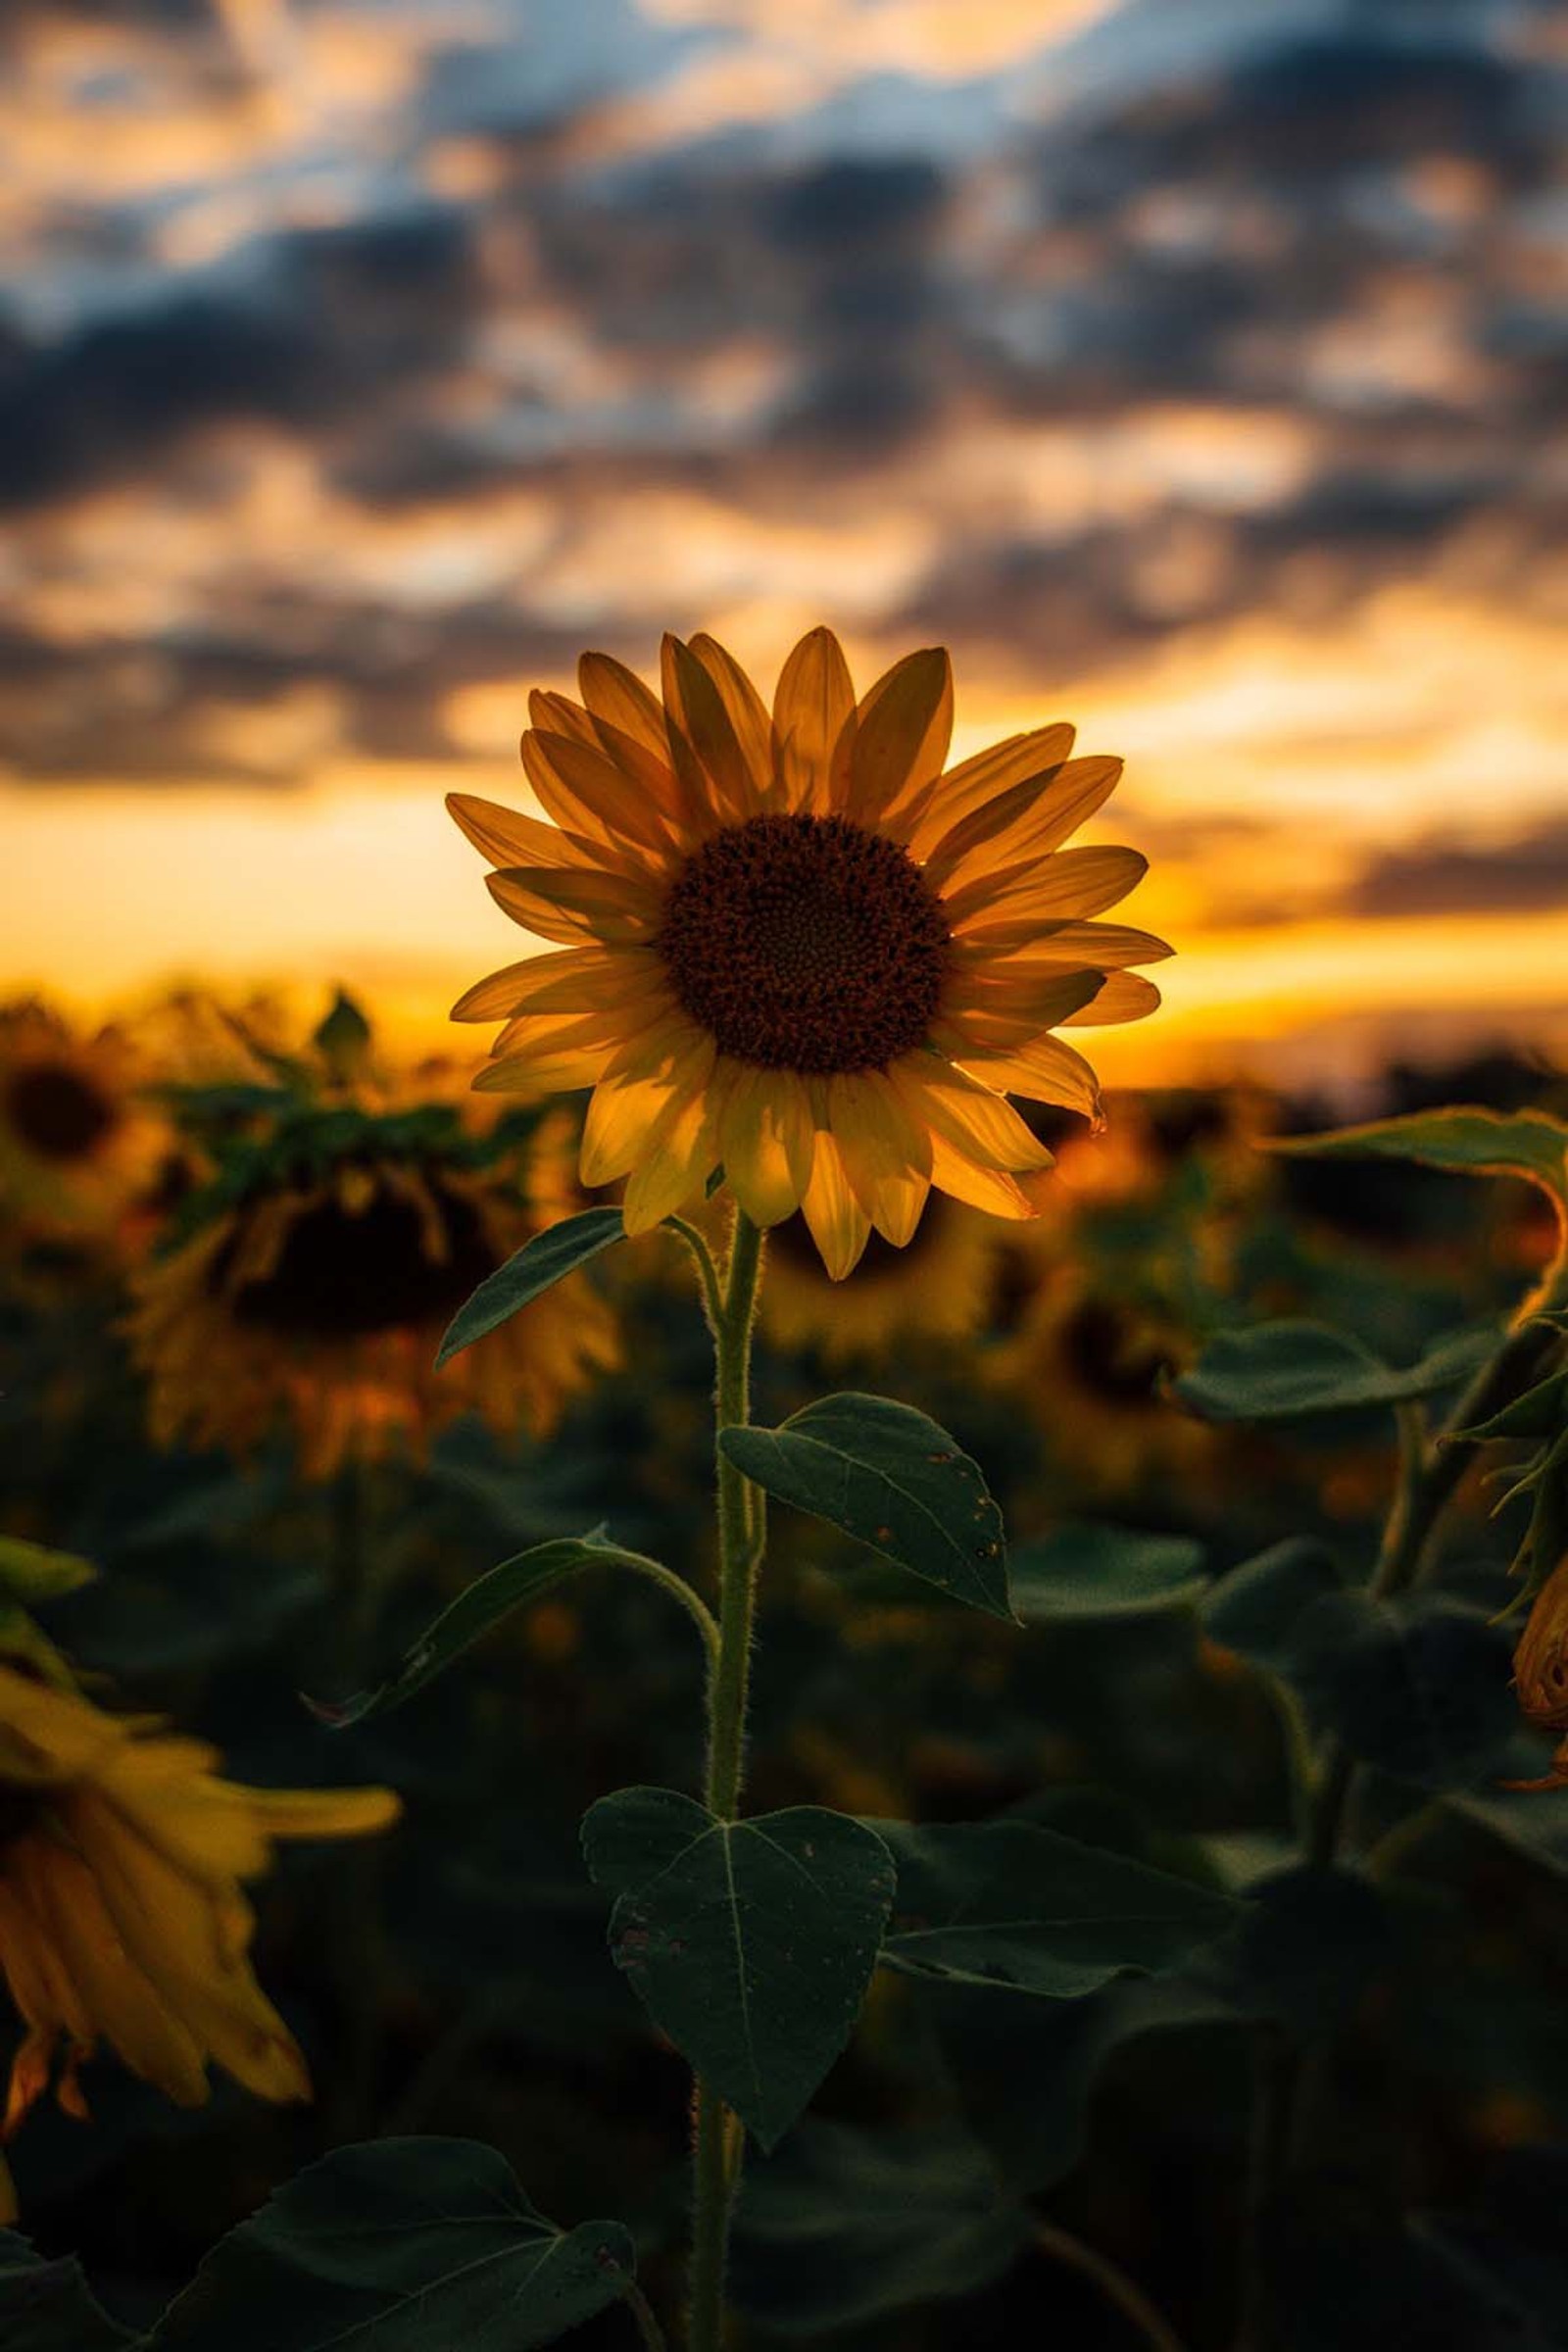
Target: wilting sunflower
pixel 75 1142
pixel 795 947
pixel 309 1282
pixel 939 1288
pixel 121 1918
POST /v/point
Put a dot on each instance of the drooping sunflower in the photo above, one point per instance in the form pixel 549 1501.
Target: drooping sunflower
pixel 121 1916
pixel 307 1283
pixel 795 947
pixel 939 1288
pixel 77 1143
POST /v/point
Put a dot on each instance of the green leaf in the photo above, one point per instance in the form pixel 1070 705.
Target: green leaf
pixel 894 1478
pixel 751 1942
pixel 1256 1609
pixel 30 1574
pixel 844 2226
pixel 1091 1570
pixel 1008 1905
pixel 48 2306
pixel 533 1269
pixel 1289 1371
pixel 1541 1412
pixel 399 2245
pixel 1465 1140
pixel 1417 1686
pixel 486 1602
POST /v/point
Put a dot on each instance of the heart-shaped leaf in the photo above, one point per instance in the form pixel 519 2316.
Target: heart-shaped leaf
pixel 1090 1570
pixel 397 2246
pixel 534 1268
pixel 486 1602
pixel 48 2306
pixel 751 1942
pixel 1008 1904
pixel 1291 1371
pixel 894 1478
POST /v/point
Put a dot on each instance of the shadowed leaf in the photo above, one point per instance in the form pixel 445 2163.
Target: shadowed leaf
pixel 1091 1570
pixel 398 2246
pixel 1464 1140
pixel 1291 1371
pixel 1020 1908
pixel 894 1478
pixel 48 2306
pixel 751 1942
pixel 535 1268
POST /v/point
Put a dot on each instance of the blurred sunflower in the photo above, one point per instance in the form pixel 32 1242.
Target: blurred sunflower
pixel 122 1917
pixel 309 1282
pixel 1090 1368
pixel 77 1143
pixel 939 1287
pixel 795 947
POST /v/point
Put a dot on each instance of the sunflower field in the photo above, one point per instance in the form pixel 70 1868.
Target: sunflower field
pixel 763 1670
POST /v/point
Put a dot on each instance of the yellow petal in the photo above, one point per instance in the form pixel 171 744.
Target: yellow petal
pixel 508 839
pixel 674 1161
pixel 991 1189
pixel 1042 1071
pixel 539 1074
pixel 1104 946
pixel 623 1112
pixel 698 715
pixel 1125 997
pixel 578 980
pixel 838 1224
pixel 886 1152
pixel 617 696
pixel 1073 882
pixel 1002 1015
pixel 977 781
pixel 748 712
pixel 767 1141
pixel 1026 823
pixel 972 1117
pixel 584 790
pixel 902 731
pixel 569 905
pixel 813 722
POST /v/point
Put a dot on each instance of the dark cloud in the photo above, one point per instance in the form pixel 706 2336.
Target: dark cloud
pixel 1446 875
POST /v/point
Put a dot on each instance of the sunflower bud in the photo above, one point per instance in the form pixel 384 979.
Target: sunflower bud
pixel 1541 1671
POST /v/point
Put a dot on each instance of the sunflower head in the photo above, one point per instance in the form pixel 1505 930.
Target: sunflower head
pixel 796 945
pixel 76 1139
pixel 940 1289
pixel 307 1283
pixel 121 1916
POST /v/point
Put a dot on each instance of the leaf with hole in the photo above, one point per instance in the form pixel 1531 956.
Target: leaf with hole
pixel 533 1269
pixel 892 1478
pixel 750 1942
pixel 399 2245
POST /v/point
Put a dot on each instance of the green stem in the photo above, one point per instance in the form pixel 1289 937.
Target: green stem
pixel 716 2151
pixel 1430 1474
pixel 1112 2281
pixel 642 2311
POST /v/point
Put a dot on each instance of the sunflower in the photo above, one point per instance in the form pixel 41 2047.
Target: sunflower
pixel 795 947
pixel 77 1143
pixel 122 1917
pixel 941 1287
pixel 309 1282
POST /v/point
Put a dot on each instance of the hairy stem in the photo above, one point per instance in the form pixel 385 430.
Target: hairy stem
pixel 1114 2283
pixel 716 2162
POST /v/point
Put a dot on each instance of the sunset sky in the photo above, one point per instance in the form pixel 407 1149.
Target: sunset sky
pixel 1197 370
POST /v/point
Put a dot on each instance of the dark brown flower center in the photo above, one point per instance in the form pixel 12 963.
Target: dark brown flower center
pixel 56 1112
pixel 342 1275
pixel 806 943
